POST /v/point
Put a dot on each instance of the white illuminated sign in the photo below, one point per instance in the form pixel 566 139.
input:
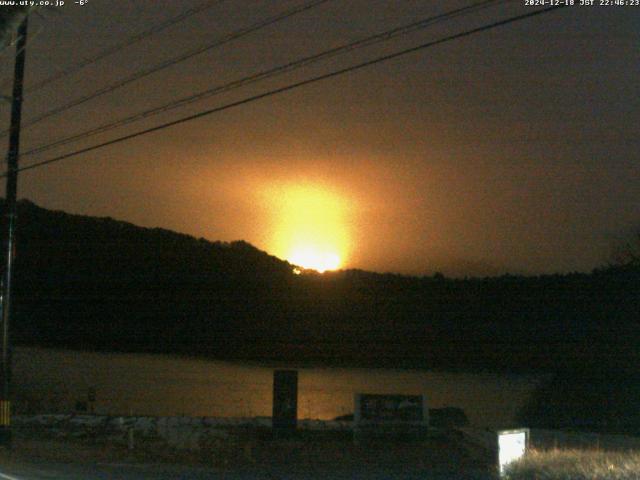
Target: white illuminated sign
pixel 512 445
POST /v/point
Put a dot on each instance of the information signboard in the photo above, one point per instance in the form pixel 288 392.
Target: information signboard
pixel 405 416
pixel 372 408
pixel 512 445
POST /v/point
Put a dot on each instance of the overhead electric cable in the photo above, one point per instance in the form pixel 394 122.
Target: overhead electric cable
pixel 122 45
pixel 181 58
pixel 292 86
pixel 279 70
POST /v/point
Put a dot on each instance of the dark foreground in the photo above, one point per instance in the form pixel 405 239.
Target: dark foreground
pixel 261 459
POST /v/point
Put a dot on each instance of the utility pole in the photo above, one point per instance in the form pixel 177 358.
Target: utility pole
pixel 9 237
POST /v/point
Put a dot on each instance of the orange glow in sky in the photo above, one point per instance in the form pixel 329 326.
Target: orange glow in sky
pixel 310 226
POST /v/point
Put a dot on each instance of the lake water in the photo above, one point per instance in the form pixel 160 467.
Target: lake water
pixel 143 384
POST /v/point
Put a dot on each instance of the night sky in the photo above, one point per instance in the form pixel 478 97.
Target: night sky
pixel 514 149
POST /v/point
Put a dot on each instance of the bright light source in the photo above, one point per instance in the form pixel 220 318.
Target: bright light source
pixel 512 445
pixel 311 259
pixel 310 225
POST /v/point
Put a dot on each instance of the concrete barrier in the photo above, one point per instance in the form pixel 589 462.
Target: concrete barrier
pixel 190 433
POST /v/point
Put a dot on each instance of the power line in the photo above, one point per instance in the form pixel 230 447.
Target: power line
pixel 115 48
pixel 281 69
pixel 121 46
pixel 292 86
pixel 174 61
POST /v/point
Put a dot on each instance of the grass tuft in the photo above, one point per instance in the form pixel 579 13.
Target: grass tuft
pixel 576 465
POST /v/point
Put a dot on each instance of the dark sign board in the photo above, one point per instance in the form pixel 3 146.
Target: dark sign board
pixel 285 402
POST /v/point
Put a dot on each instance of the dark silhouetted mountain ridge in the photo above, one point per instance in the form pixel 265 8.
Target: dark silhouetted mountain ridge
pixel 97 283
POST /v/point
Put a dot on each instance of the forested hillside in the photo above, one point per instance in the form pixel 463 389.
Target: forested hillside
pixel 98 283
